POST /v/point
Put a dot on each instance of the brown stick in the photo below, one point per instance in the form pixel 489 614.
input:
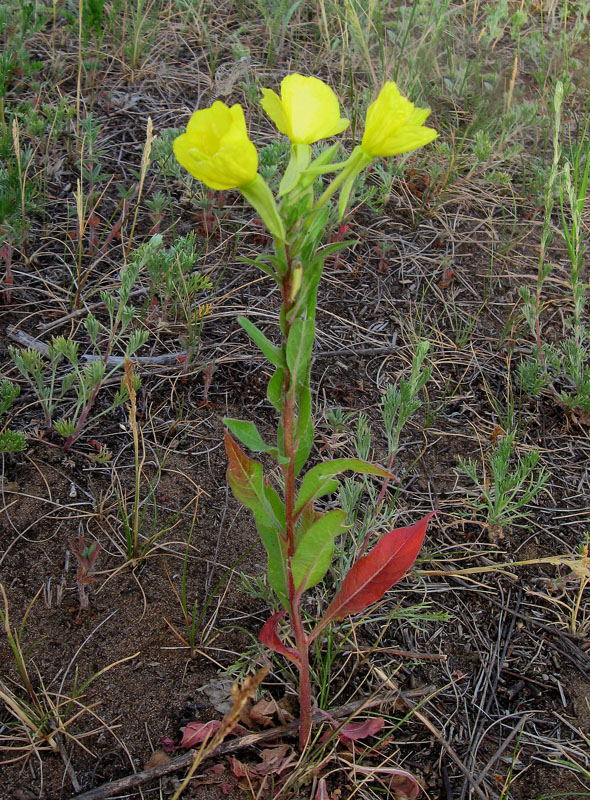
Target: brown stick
pixel 112 361
pixel 186 759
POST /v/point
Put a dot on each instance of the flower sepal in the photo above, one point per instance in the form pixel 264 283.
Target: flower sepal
pixel 322 165
pixel 260 197
pixel 358 161
pixel 299 161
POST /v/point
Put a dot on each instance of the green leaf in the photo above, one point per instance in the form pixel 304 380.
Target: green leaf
pixel 12 441
pixel 345 194
pixel 304 446
pixel 305 432
pixel 246 478
pixel 270 533
pixel 273 353
pixel 247 482
pixel 259 262
pixel 336 247
pixel 299 161
pixel 315 481
pixel 299 346
pixel 319 223
pixel 65 427
pixel 8 393
pixel 308 517
pixel 274 391
pixel 314 552
pixel 248 434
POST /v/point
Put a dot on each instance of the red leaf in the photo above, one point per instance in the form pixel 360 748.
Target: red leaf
pixel 360 730
pixel 402 784
pixel 372 575
pixel 238 769
pixel 244 475
pixel 270 637
pixel 197 732
pixel 404 787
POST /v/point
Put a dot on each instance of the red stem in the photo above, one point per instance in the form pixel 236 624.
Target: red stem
pixel 290 448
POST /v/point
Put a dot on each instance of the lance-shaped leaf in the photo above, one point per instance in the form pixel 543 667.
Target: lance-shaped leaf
pixel 304 433
pixel 245 476
pixel 314 551
pixel 299 346
pixel 270 637
pixel 271 351
pixel 372 575
pixel 308 517
pixel 321 478
pixel 305 437
pixel 270 532
pixel 274 391
pixel 305 302
pixel 248 434
pixel 197 732
pixel 247 482
pixel 353 731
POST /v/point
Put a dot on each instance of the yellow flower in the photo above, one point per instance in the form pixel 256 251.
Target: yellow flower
pixel 216 149
pixel 306 111
pixel 394 125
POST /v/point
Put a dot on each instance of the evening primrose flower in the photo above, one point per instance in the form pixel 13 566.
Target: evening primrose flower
pixel 306 111
pixel 394 125
pixel 216 149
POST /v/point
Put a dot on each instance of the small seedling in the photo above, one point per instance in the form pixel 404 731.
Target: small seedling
pixel 54 388
pixel 10 441
pixel 510 487
pixel 86 555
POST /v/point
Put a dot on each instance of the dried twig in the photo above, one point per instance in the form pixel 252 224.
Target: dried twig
pixel 23 338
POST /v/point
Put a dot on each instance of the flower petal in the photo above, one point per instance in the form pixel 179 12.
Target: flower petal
pixel 271 103
pixel 394 125
pixel 216 149
pixel 308 109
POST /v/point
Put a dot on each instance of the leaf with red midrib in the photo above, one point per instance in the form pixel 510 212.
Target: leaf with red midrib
pixel 270 637
pixel 372 575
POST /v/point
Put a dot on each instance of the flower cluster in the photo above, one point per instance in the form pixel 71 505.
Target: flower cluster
pixel 216 148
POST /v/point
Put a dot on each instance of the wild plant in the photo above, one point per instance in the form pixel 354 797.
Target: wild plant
pixel 562 368
pixel 197 627
pixel 17 199
pixel 85 375
pixel 18 22
pixel 299 538
pixel 86 199
pixel 173 280
pixel 511 485
pixel 86 556
pixel 156 205
pixel 137 33
pixel 10 441
pixel 138 522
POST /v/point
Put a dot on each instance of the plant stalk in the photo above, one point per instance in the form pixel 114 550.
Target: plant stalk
pixel 290 448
